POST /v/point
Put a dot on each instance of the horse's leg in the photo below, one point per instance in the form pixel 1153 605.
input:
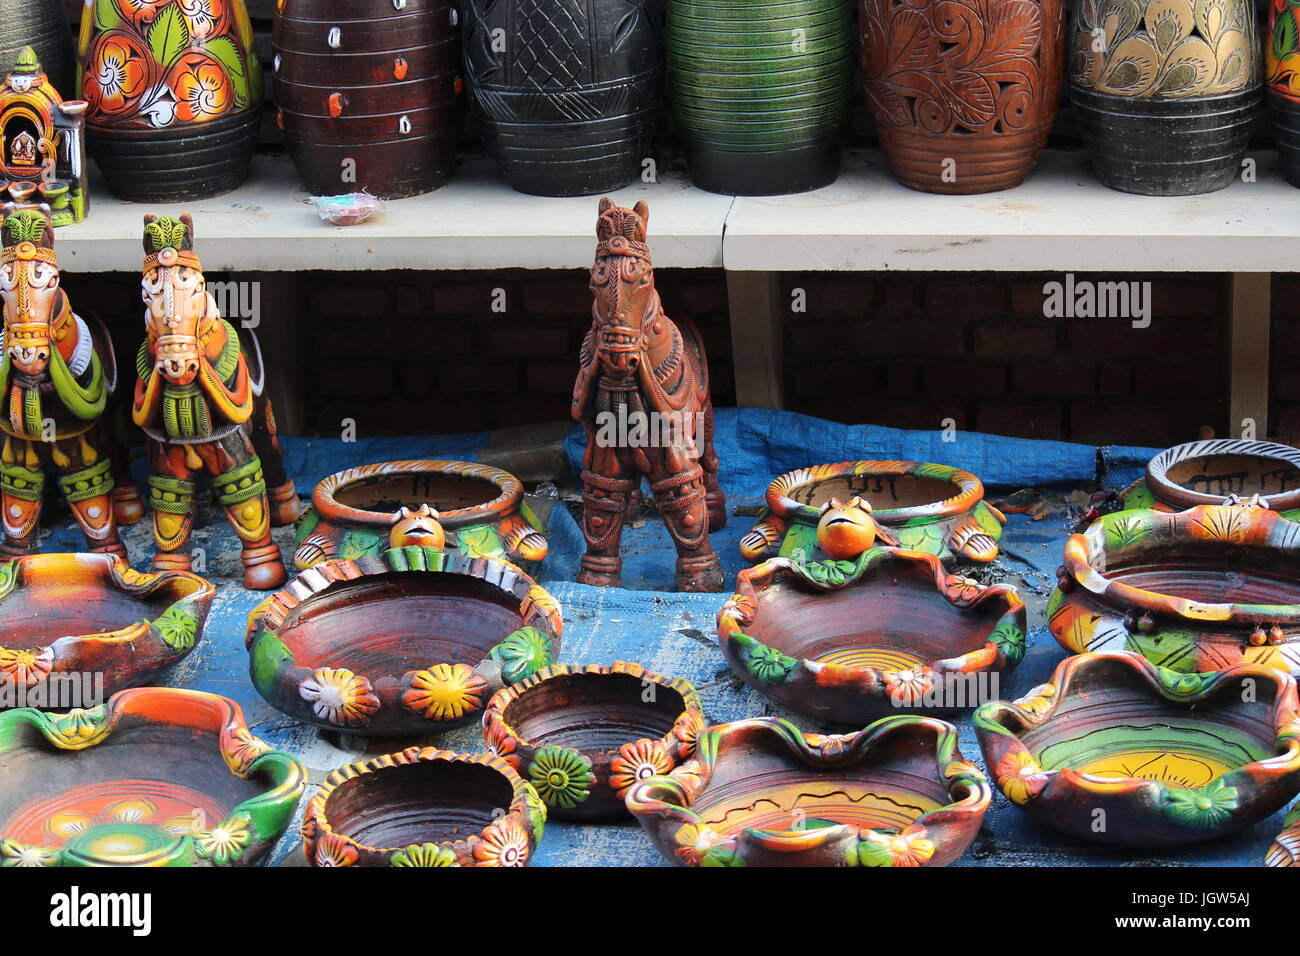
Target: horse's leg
pixel 714 498
pixel 22 489
pixel 86 480
pixel 607 486
pixel 171 498
pixel 241 490
pixel 128 504
pixel 680 497
pixel 286 507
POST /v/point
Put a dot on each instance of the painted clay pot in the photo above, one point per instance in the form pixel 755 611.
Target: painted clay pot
pixel 480 509
pixel 583 736
pixel 368 93
pixel 155 777
pixel 42 25
pixel 1198 590
pixel 761 91
pixel 66 619
pixel 1116 750
pixel 1282 84
pixel 424 807
pixel 924 507
pixel 963 94
pixel 760 793
pixel 1165 92
pixel 1207 472
pixel 407 643
pixel 1285 850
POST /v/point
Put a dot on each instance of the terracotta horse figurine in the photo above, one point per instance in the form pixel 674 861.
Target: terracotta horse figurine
pixel 199 400
pixel 641 371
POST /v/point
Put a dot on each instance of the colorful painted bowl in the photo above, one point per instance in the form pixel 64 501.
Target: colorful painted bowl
pixel 1194 591
pixel 89 626
pixel 1207 472
pixel 850 641
pixel 760 793
pixel 584 735
pixel 930 508
pixel 482 510
pixel 407 643
pixel 154 777
pixel 1119 751
pixel 424 807
pixel 1285 850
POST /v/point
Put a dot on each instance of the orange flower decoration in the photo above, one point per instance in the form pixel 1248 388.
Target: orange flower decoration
pixel 203 18
pixel 118 75
pixel 636 761
pixel 444 691
pixel 908 688
pixel 504 843
pixel 333 850
pixel 1020 777
pixel 202 89
pixel 26 667
pixel 688 728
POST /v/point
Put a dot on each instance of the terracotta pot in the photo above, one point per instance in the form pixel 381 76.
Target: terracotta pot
pixel 42 25
pixel 155 777
pixel 1207 472
pixel 760 793
pixel 1281 57
pixel 1118 751
pixel 584 736
pixel 1285 850
pixel 963 94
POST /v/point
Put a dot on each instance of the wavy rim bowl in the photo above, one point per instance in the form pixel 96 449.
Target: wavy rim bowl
pixel 1170 475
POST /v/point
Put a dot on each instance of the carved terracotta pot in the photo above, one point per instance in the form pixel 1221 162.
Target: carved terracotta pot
pixel 963 92
pixel 1207 472
pixel 42 25
pixel 1282 83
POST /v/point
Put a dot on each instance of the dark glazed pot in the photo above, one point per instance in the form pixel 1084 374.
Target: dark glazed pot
pixel 42 25
pixel 1281 57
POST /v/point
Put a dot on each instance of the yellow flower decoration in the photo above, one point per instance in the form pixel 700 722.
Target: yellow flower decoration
pixel 444 691
pixel 1020 777
pixel 339 696
pixel 636 761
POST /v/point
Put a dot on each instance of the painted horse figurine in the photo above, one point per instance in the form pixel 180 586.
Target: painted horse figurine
pixel 642 396
pixel 199 400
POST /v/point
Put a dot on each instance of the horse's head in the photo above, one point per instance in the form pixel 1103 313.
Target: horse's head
pixel 626 305
pixel 176 298
pixel 29 287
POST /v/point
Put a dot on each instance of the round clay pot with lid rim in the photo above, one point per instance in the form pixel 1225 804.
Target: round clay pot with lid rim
pixel 1206 472
pixel 1282 83
pixel 584 735
pixel 42 25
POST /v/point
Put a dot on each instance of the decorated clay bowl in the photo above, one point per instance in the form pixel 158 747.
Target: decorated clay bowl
pixel 481 510
pixel 584 736
pixel 1207 472
pixel 760 793
pixel 1285 850
pixel 154 777
pixel 927 507
pixel 850 641
pixel 1116 750
pixel 69 619
pixel 410 642
pixel 1197 590
pixel 424 807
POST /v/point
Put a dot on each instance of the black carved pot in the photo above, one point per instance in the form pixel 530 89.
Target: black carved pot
pixel 565 93
pixel 1286 131
pixel 42 25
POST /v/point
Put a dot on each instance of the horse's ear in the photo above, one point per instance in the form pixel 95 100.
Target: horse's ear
pixel 642 209
pixel 188 220
pixel 606 204
pixel 149 220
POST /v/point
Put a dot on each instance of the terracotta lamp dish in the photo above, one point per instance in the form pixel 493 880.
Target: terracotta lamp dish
pixel 760 793
pixel 407 643
pixel 424 807
pixel 1285 850
pixel 584 736
pixel 154 777
pixel 1207 472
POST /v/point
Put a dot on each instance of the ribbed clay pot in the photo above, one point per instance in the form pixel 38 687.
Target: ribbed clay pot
pixel 1165 102
pixel 1281 60
pixel 42 25
pixel 1206 472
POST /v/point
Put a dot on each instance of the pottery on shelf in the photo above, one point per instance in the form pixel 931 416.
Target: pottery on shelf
pixel 582 736
pixel 923 507
pixel 43 26
pixel 42 143
pixel 368 93
pixel 480 509
pixel 175 96
pixel 963 93
pixel 155 777
pixel 760 793
pixel 1118 751
pixel 410 642
pixel 1165 91
pixel 1282 84
pixel 1207 472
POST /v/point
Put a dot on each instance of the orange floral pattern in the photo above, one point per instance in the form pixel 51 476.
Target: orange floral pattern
pixel 687 729
pixel 1020 777
pixel 26 666
pixel 117 75
pixel 636 761
pixel 505 843
pixel 202 89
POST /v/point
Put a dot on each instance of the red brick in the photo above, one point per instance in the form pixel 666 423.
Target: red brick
pixel 375 378
pixel 1168 338
pixel 359 304
pixel 1061 380
pixel 469 299
pixel 964 379
pixel 1014 340
pixel 1196 379
pixel 966 300
pixel 530 342
pixel 559 298
pixel 1114 380
pixel 704 297
pixel 902 379
pixel 1193 300
pixel 534 411
pixel 1157 424
pixel 840 298
pixel 1027 297
pixel 499 377
pixel 551 377
pixel 899 298
pixel 1020 419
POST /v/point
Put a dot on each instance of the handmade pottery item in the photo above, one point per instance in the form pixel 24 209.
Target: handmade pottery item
pixel 1207 472
pixel 1116 750
pixel 480 510
pixel 42 143
pixel 963 94
pixel 43 26
pixel 406 643
pixel 424 807
pixel 1281 57
pixel 175 94
pixel 1165 91
pixel 642 396
pixel 923 507
pixel 154 777
pixel 584 735
pixel 1285 850
pixel 760 793
pixel 368 93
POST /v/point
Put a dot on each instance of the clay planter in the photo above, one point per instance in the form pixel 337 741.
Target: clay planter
pixel 481 510
pixel 407 643
pixel 424 807
pixel 760 793
pixel 42 25
pixel 1207 472
pixel 963 95
pixel 1119 751
pixel 154 777
pixel 66 620
pixel 584 736
pixel 1198 590
pixel 931 508
pixel 1281 57
pixel 1285 850
pixel 850 641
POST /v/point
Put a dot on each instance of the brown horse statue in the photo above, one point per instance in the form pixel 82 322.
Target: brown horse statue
pixel 642 396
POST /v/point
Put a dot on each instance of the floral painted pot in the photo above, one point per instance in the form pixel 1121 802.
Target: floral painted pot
pixel 1282 83
pixel 155 777
pixel 481 510
pixel 66 619
pixel 584 735
pixel 407 643
pixel 1116 750
pixel 760 793
pixel 1285 850
pixel 1207 472
pixel 930 508
pixel 1198 590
